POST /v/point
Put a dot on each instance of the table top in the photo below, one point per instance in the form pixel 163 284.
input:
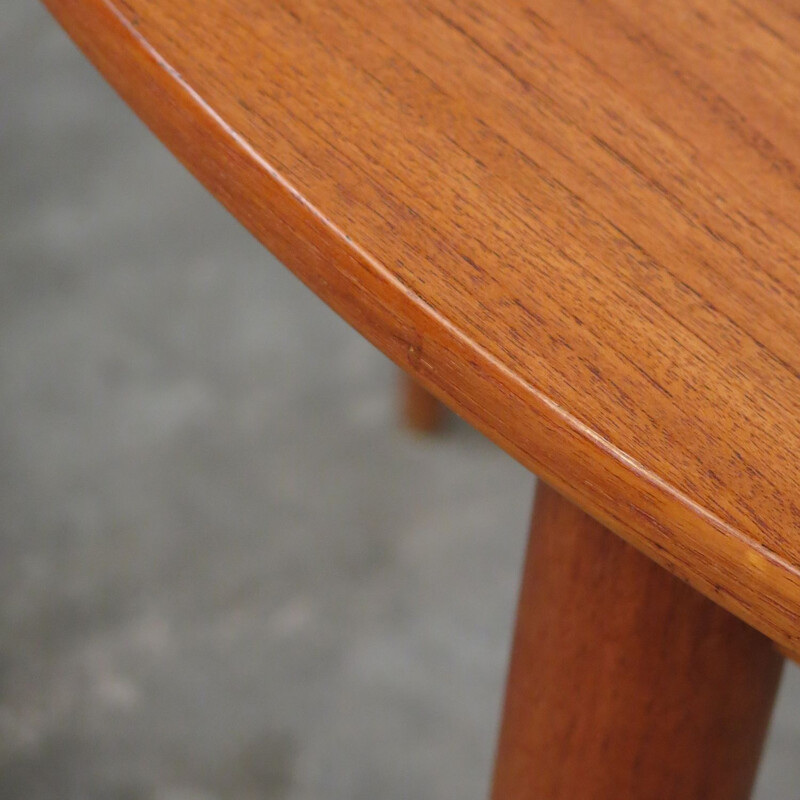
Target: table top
pixel 577 222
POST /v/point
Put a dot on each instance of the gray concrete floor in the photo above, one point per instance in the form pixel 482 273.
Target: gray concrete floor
pixel 224 573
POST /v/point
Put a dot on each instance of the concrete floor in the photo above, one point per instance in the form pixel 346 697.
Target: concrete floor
pixel 224 573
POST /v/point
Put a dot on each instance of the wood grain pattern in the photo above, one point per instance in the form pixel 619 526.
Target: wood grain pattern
pixel 625 683
pixel 575 222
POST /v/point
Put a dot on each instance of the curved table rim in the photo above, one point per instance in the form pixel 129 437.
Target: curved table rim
pixel 668 526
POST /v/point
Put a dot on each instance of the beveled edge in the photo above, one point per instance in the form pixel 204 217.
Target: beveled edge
pixel 685 538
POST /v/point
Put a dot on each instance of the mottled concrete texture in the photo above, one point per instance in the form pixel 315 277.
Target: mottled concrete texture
pixel 224 573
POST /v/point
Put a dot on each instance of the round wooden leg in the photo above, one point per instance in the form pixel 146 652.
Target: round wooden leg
pixel 421 410
pixel 625 683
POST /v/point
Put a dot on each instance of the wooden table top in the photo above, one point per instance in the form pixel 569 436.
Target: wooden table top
pixel 577 222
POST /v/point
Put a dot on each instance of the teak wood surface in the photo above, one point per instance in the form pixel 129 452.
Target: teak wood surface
pixel 626 684
pixel 420 410
pixel 575 222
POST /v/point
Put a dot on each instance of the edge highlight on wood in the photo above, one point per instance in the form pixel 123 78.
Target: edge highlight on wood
pixel 726 562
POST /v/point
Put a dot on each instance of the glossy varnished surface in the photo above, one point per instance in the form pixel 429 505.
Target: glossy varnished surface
pixel 577 222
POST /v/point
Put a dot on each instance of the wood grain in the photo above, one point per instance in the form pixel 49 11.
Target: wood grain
pixel 575 222
pixel 625 683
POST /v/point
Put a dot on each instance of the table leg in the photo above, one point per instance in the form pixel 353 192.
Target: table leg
pixel 625 683
pixel 420 409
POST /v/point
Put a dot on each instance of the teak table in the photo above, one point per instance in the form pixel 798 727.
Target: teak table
pixel 576 223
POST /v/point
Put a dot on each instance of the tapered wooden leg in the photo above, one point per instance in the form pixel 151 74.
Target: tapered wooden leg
pixel 421 410
pixel 626 684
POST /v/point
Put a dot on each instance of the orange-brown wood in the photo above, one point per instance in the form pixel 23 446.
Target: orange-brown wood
pixel 626 684
pixel 575 221
pixel 421 411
